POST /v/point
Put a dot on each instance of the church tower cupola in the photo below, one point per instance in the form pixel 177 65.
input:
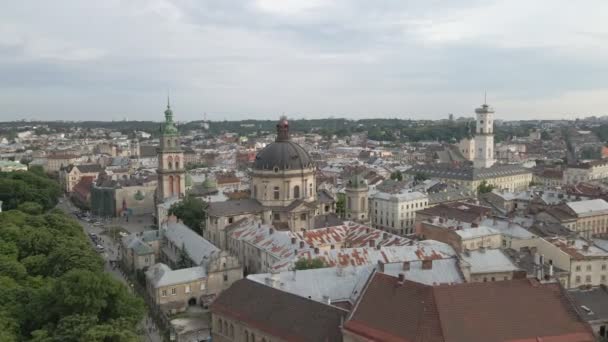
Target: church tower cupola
pixel 283 129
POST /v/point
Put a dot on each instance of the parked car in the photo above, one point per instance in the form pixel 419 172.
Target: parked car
pixel 99 248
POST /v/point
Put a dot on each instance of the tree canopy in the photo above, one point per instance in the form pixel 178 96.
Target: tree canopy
pixel 53 284
pixel 28 186
pixel 307 264
pixel 484 187
pixel 397 175
pixel 192 211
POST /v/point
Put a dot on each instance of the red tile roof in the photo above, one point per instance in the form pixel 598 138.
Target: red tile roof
pixel 286 316
pixel 514 311
pixel 82 189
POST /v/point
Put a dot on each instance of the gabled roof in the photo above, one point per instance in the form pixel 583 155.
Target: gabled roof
pixel 517 310
pixel 236 207
pixel 161 275
pixel 89 168
pixel 197 248
pixel 280 314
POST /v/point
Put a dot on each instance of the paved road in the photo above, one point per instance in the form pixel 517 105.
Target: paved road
pixel 111 253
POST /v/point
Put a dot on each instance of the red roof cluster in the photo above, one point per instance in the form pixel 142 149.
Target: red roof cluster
pixel 515 311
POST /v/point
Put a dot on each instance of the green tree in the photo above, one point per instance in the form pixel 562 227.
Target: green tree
pixel 397 176
pixel 53 284
pixel 192 211
pixel 30 208
pixel 306 264
pixel 341 205
pixel 184 260
pixel 484 187
pixel 420 177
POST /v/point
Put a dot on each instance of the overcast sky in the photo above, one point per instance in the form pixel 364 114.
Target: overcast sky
pixel 240 59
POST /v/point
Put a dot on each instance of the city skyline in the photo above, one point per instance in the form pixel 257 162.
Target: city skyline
pixel 309 59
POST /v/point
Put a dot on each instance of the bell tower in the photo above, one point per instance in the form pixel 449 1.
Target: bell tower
pixel 484 137
pixel 356 206
pixel 171 172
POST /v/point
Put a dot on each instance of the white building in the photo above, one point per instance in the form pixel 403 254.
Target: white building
pixel 396 213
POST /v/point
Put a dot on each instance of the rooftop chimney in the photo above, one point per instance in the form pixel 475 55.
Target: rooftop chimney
pixel 427 264
pixel 385 235
pixel 301 244
pixel 401 278
pixel 270 231
pixel 474 225
pixel 372 243
pixel 380 266
pixel 293 240
pixel 585 248
pixel 406 265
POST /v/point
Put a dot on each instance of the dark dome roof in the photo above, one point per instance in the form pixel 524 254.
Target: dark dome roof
pixel 283 153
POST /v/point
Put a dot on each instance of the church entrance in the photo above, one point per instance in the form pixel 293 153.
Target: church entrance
pixel 192 301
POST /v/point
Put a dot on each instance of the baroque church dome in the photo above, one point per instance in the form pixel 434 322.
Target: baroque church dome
pixel 283 154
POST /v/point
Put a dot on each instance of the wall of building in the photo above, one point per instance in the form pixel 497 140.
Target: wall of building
pixel 395 215
pixel 280 188
pixel 139 199
pixel 486 277
pixel 226 329
pixel 590 271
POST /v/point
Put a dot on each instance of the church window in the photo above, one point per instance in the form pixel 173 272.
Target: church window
pixel 303 217
pixel 363 203
pixel 177 162
pixel 296 191
pixel 277 217
pixel 277 193
pixel 310 189
pixel 255 191
pixel 176 143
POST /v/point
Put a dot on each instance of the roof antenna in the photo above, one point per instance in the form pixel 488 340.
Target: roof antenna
pixel 168 102
pixel 485 98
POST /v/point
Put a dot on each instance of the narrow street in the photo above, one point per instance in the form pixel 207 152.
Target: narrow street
pixel 111 253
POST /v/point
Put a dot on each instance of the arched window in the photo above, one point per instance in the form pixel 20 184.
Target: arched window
pixel 252 337
pixel 296 191
pixel 176 143
pixel 310 189
pixel 363 203
pixel 277 193
pixel 219 325
pixel 246 335
pixel 225 327
pixel 177 162
pixel 231 330
pixel 171 189
pixel 178 185
pixel 169 162
pixel 255 191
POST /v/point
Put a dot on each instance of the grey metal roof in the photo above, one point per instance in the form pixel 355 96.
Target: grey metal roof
pixel 197 248
pixel 466 172
pixel 235 207
pixel 595 299
pixel 162 275
pixel 283 155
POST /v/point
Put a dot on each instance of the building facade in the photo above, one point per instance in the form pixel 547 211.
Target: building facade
pixel 396 213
